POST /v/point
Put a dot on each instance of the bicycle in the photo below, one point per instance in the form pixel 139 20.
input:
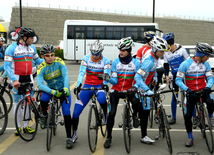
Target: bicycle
pixel 127 121
pixel 53 117
pixel 95 119
pixel 203 121
pixel 27 112
pixel 163 123
pixel 5 89
pixel 179 101
pixel 3 115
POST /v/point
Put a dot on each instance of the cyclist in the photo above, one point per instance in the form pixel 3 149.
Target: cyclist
pixel 173 59
pixel 145 50
pixel 2 40
pixel 18 66
pixel 92 65
pixel 142 51
pixel 2 51
pixel 195 72
pixel 123 71
pixel 147 71
pixel 54 72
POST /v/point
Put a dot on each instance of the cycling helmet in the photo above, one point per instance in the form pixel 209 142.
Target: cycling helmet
pixel 159 44
pixel 169 37
pixel 24 31
pixel 97 47
pixel 47 48
pixel 125 43
pixel 2 39
pixel 203 48
pixel 149 35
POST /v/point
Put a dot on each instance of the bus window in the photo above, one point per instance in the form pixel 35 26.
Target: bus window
pixel 70 34
pixel 80 32
pixel 132 32
pixel 109 32
pixel 89 33
pixel 119 32
pixel 99 32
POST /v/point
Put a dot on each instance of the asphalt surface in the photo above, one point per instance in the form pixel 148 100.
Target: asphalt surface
pixel 13 145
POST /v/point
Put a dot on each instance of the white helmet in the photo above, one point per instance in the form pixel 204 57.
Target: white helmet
pixel 125 43
pixel 97 47
pixel 159 44
pixel 2 39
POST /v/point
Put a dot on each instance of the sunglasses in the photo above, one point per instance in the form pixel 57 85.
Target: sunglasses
pixel 95 54
pixel 49 55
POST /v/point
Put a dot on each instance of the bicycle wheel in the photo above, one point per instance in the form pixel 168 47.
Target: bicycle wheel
pixel 151 112
pixel 207 129
pixel 56 117
pixel 127 128
pixel 167 135
pixel 50 124
pixel 92 128
pixel 8 99
pixel 102 127
pixel 26 116
pixel 3 115
pixel 161 123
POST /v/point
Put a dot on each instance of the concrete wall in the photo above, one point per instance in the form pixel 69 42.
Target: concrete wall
pixel 48 24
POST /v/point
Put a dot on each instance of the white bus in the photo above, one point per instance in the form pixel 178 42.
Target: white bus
pixel 79 34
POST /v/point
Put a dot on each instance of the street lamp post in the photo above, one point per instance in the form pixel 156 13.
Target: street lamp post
pixel 20 8
pixel 153 15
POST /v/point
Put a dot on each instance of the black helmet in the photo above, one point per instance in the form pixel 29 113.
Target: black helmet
pixel 47 48
pixel 204 48
pixel 24 31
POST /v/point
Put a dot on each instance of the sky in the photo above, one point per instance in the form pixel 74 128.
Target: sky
pixel 197 9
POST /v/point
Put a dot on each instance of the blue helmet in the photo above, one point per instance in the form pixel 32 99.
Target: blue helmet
pixel 168 36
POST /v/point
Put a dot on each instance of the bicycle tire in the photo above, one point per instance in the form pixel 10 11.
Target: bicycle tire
pixel 102 128
pixel 167 134
pixel 161 123
pixel 32 122
pixel 50 125
pixel 3 115
pixel 127 128
pixel 8 100
pixel 151 112
pixel 56 111
pixel 92 128
pixel 207 129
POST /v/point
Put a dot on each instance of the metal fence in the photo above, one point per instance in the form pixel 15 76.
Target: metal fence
pixel 124 12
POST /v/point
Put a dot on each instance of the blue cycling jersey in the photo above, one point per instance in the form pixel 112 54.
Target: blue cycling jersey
pixel 2 52
pixel 56 76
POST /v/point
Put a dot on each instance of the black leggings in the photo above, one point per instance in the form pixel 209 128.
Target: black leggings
pixel 144 114
pixel 190 107
pixel 114 100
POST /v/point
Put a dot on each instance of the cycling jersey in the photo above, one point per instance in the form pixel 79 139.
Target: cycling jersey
pixel 2 52
pixel 141 52
pixel 55 74
pixel 92 69
pixel 147 71
pixel 175 58
pixel 123 74
pixel 18 60
pixel 194 74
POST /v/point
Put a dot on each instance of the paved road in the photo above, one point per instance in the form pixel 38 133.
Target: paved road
pixel 10 144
